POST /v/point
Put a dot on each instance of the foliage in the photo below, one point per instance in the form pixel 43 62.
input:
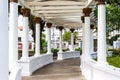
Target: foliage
pixel 112 15
pixel 44 43
pixel 54 51
pixel 65 49
pixel 43 51
pixel 79 49
pixel 67 37
pixel 113 38
pixel 116 52
pixel 114 61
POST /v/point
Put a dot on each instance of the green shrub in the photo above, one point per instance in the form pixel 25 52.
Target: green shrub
pixel 66 49
pixel 43 51
pixel 116 52
pixel 79 49
pixel 54 51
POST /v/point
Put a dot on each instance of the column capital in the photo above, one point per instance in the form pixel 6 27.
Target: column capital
pixel 101 2
pixel 49 25
pixel 60 28
pixel 37 20
pixel 83 19
pixel 72 30
pixel 25 12
pixel 91 26
pixel 16 1
pixel 87 11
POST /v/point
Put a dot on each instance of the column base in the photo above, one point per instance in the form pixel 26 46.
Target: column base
pixel 72 50
pixel 60 56
pixel 27 59
pixel 60 51
pixel 49 52
pixel 36 55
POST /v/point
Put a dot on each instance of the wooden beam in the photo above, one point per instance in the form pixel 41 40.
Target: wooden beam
pixel 62 14
pixel 56 3
pixel 60 11
pixel 58 8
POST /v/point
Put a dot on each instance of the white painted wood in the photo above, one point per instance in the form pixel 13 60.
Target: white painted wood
pixel 72 41
pixel 87 38
pixel 67 55
pixel 59 11
pixel 57 8
pixel 93 71
pixel 4 71
pixel 34 63
pixel 102 35
pixel 49 40
pixel 13 35
pixel 91 41
pixel 60 41
pixel 56 3
pixel 25 39
pixel 37 45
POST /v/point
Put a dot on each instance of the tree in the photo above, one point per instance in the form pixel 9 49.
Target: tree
pixel 67 37
pixel 112 17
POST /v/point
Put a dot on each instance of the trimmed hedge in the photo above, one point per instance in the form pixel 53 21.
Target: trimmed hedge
pixel 79 49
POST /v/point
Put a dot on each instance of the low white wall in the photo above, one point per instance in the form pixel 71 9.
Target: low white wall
pixel 66 55
pixel 34 63
pixel 93 71
pixel 15 74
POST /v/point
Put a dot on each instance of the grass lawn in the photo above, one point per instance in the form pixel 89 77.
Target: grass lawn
pixel 114 61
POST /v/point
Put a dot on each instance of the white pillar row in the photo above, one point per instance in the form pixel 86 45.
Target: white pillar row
pixel 83 38
pixel 49 25
pixel 92 38
pixel 37 42
pixel 60 39
pixel 4 71
pixel 102 33
pixel 13 34
pixel 26 13
pixel 72 39
pixel 87 45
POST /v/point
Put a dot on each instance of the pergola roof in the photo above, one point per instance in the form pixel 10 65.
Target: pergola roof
pixel 60 12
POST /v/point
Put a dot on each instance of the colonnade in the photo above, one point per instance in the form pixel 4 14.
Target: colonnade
pixel 13 37
pixel 88 34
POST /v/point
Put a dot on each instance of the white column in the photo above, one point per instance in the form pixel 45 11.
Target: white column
pixel 49 25
pixel 83 42
pixel 102 34
pixel 92 39
pixel 13 35
pixel 72 40
pixel 49 40
pixel 87 37
pixel 87 44
pixel 4 40
pixel 60 41
pixel 25 38
pixel 37 45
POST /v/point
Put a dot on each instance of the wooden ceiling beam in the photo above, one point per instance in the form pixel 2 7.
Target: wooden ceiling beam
pixel 56 3
pixel 62 14
pixel 60 11
pixel 58 8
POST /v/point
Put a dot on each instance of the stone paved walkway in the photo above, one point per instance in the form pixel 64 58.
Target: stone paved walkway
pixel 68 69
